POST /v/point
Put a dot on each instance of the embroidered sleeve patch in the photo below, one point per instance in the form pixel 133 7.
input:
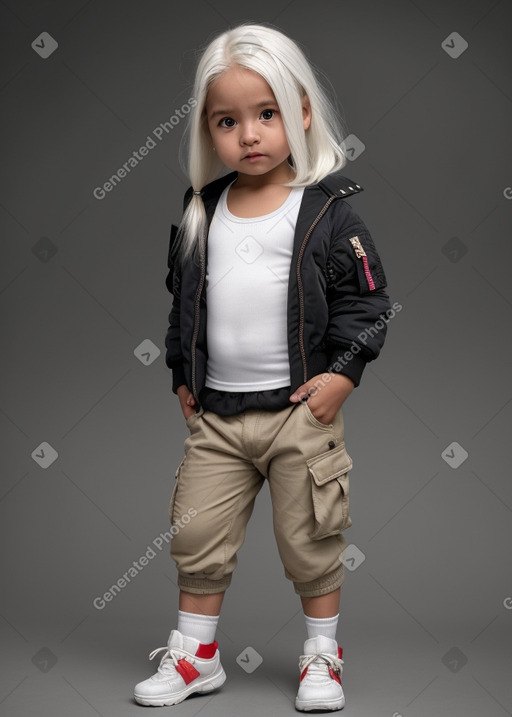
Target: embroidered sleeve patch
pixel 369 269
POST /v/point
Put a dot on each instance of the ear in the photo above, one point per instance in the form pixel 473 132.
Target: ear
pixel 306 112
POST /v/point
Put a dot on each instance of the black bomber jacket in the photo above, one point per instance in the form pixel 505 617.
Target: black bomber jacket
pixel 337 303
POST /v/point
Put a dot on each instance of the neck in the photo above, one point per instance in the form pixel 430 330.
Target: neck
pixel 274 177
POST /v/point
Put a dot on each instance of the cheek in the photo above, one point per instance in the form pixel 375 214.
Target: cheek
pixel 225 141
pixel 284 141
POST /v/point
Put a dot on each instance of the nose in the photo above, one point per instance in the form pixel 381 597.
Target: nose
pixel 249 135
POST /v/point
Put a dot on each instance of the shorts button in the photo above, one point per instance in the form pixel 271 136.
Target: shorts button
pixel 332 444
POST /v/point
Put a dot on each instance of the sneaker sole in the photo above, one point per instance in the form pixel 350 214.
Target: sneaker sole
pixel 309 706
pixel 208 684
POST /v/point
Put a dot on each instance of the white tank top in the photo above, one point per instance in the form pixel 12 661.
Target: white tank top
pixel 247 293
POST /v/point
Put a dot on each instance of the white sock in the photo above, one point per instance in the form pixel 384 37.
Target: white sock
pixel 202 627
pixel 325 626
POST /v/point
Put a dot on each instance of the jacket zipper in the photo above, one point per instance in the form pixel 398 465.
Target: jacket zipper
pixel 196 322
pixel 300 287
pixel 361 254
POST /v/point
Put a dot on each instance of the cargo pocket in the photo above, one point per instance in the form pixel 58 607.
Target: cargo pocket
pixel 174 491
pixel 330 491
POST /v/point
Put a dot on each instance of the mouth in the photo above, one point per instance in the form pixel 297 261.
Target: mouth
pixel 253 155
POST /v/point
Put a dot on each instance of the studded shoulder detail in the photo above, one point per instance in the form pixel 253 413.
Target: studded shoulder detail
pixel 339 185
pixel 350 188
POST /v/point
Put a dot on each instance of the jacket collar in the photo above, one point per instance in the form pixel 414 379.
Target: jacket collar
pixel 335 184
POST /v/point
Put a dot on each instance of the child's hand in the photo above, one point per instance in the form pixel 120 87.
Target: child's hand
pixel 187 401
pixel 327 397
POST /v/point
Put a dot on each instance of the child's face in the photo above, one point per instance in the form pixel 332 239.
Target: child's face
pixel 243 117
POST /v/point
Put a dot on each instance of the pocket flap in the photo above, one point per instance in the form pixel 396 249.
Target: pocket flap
pixel 330 465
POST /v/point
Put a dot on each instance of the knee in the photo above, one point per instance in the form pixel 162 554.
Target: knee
pixel 198 550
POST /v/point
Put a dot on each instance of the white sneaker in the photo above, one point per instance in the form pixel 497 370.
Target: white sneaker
pixel 321 668
pixel 187 666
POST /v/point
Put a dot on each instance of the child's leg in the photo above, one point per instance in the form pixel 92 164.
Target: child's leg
pixel 322 605
pixel 309 486
pixel 201 604
pixel 198 615
pixel 308 479
pixel 212 501
pixel 321 614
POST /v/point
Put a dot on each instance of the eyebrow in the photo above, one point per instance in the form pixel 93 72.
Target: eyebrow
pixel 263 103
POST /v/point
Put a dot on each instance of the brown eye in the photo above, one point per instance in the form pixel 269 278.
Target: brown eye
pixel 226 119
pixel 265 114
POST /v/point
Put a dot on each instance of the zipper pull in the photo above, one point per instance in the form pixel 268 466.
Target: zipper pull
pixel 361 254
pixel 358 247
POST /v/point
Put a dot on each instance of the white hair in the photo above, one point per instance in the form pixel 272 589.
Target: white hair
pixel 315 152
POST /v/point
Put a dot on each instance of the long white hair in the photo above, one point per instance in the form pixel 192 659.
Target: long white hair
pixel 315 152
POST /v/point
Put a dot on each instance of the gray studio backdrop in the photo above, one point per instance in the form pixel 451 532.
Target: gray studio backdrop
pixel 92 434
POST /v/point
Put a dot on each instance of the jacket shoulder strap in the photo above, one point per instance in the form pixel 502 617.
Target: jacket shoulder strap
pixel 340 185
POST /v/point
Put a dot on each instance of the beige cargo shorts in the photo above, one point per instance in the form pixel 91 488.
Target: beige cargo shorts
pixel 226 462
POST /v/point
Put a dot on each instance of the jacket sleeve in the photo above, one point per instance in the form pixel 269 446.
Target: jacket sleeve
pixel 358 303
pixel 174 356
